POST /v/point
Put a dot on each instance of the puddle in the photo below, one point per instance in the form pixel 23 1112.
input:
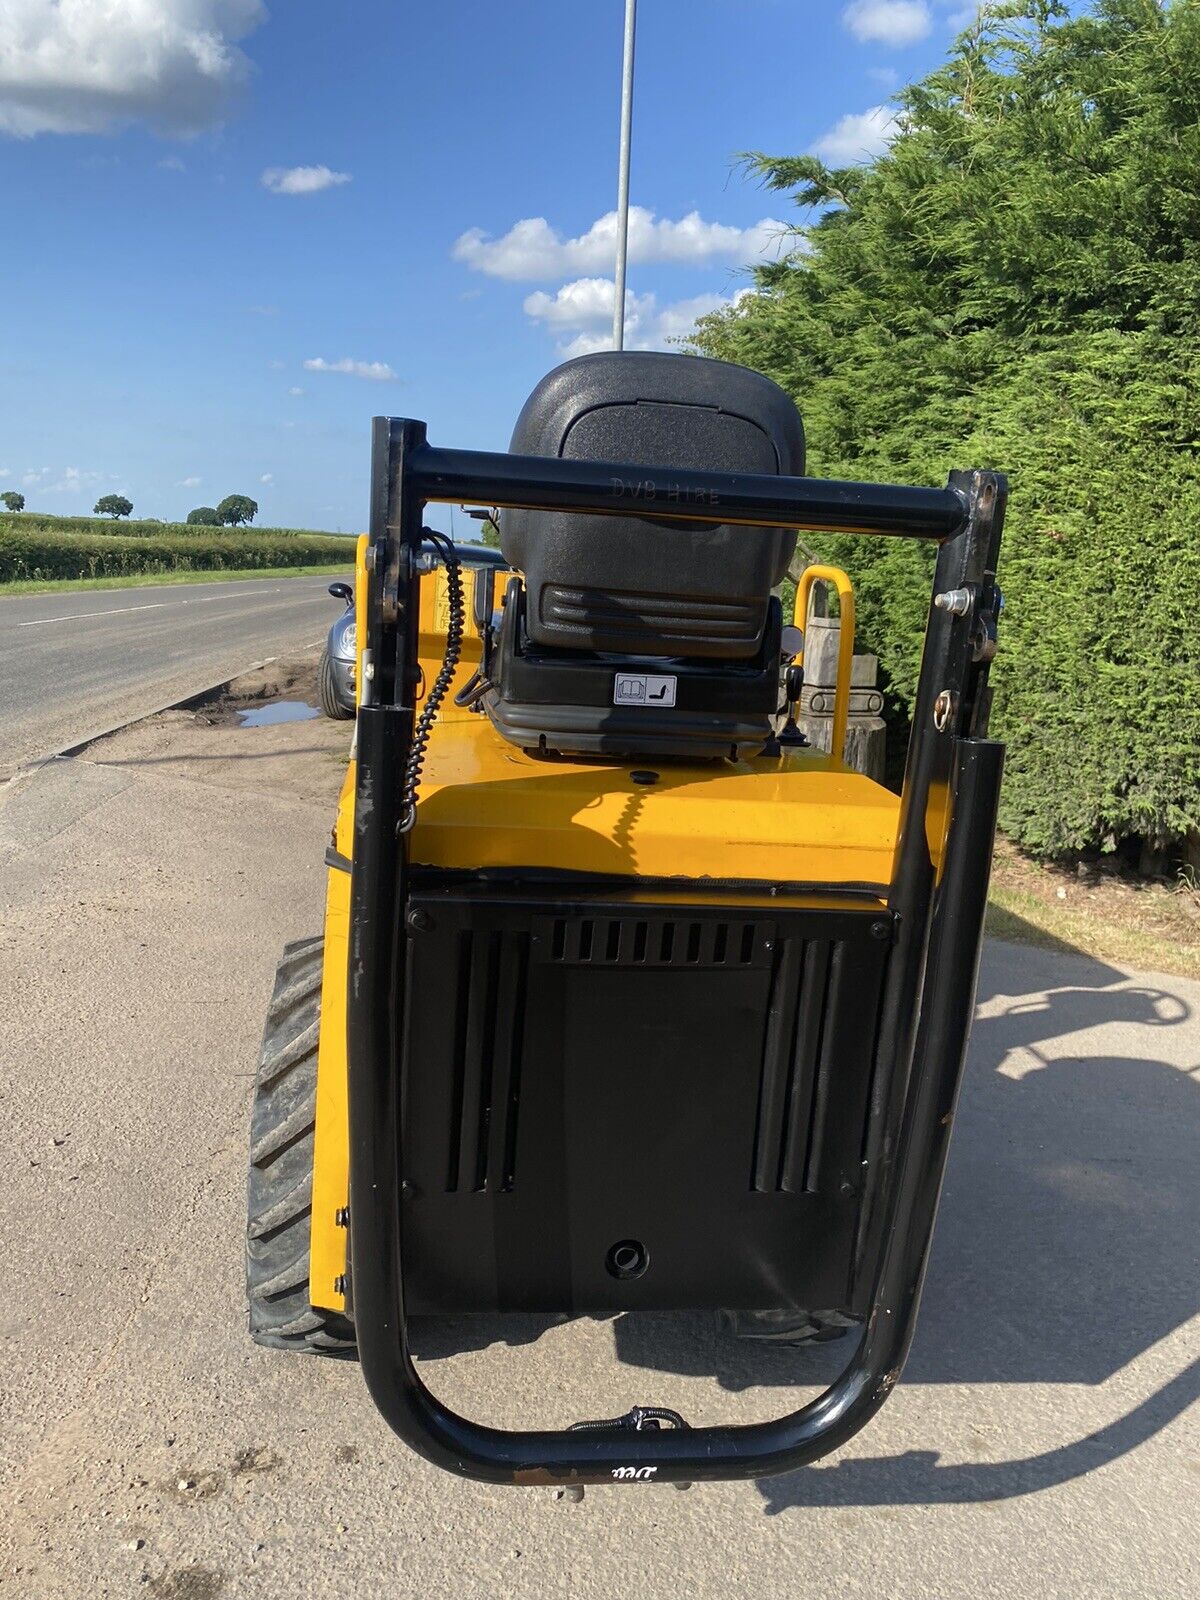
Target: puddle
pixel 278 711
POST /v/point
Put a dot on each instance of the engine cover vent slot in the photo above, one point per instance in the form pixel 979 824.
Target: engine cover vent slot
pixel 631 941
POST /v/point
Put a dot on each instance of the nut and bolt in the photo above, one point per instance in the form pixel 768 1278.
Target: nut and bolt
pixel 957 602
pixel 339 1283
pixel 881 930
pixel 420 921
pixel 342 1216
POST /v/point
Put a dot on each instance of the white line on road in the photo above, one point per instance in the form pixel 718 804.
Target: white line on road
pixel 82 616
pixel 153 605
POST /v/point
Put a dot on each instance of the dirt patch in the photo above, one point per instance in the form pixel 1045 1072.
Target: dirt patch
pixel 291 677
pixel 204 741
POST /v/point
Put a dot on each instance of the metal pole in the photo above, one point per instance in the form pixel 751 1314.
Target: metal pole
pixel 623 175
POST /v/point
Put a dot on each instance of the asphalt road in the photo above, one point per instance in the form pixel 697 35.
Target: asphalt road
pixel 78 663
pixel 1043 1441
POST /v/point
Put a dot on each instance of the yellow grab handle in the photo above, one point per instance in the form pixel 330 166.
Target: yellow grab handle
pixel 360 611
pixel 841 694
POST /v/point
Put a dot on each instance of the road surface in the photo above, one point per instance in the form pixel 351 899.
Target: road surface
pixel 1043 1441
pixel 74 664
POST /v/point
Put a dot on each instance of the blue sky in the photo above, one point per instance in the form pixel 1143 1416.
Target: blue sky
pixel 233 232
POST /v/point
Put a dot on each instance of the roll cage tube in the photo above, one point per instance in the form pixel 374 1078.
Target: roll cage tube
pixel 938 895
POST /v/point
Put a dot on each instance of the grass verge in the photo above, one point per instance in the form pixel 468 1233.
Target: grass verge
pixel 147 580
pixel 1136 922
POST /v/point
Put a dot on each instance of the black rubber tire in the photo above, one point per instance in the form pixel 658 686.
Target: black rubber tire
pixel 327 690
pixel 282 1124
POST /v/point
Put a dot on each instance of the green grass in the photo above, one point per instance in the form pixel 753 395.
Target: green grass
pixel 145 580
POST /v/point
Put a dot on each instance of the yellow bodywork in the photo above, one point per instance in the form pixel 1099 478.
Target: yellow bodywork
pixel 800 818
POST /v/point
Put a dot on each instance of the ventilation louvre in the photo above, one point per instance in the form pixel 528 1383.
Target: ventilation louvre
pixel 793 1082
pixel 490 986
pixel 654 942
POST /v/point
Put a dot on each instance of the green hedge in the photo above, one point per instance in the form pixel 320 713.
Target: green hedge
pixel 1016 284
pixel 44 522
pixel 40 555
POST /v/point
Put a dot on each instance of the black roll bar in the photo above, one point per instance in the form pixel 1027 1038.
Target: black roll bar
pixel 536 483
pixel 938 892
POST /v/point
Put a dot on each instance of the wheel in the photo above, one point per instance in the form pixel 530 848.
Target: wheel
pixel 327 690
pixel 282 1124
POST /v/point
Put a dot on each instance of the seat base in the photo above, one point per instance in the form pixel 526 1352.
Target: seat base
pixel 580 702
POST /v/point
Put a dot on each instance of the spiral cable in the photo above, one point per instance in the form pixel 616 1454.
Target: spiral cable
pixel 437 692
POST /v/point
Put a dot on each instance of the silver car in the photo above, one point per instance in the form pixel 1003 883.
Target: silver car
pixel 335 672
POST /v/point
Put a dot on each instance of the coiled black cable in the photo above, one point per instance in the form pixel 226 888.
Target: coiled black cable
pixel 437 692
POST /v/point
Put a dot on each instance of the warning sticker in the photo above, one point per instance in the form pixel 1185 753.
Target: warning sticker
pixel 643 689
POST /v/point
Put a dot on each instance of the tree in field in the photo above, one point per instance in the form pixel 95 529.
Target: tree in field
pixel 236 509
pixel 1015 283
pixel 204 517
pixel 12 500
pixel 112 505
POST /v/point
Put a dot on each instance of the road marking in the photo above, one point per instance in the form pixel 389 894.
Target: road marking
pixel 153 605
pixel 82 616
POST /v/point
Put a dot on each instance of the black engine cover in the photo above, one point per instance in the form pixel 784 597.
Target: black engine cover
pixel 609 1103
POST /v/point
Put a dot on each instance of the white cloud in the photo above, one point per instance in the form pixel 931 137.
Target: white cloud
pixel 64 480
pixel 860 136
pixel 171 164
pixel 295 389
pixel 580 304
pixel 584 310
pixel 894 22
pixel 302 180
pixel 532 249
pixel 188 483
pixel 378 370
pixel 887 77
pixel 83 66
pixel 268 478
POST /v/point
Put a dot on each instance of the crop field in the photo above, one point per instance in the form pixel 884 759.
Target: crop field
pixel 38 549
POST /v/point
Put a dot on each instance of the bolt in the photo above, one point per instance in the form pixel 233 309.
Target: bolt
pixel 943 709
pixel 339 1283
pixel 880 930
pixel 407 1189
pixel 420 921
pixel 957 602
pixel 342 1216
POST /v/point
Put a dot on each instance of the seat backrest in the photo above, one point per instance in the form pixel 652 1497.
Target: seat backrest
pixel 633 586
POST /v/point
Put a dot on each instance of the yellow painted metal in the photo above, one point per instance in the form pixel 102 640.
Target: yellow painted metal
pixel 799 818
pixel 841 694
pixel 331 1140
pixel 360 610
pixel 327 1240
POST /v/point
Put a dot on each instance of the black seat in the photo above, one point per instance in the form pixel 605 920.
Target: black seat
pixel 636 587
pixel 687 603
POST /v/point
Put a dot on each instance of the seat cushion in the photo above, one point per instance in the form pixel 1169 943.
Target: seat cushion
pixel 632 585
